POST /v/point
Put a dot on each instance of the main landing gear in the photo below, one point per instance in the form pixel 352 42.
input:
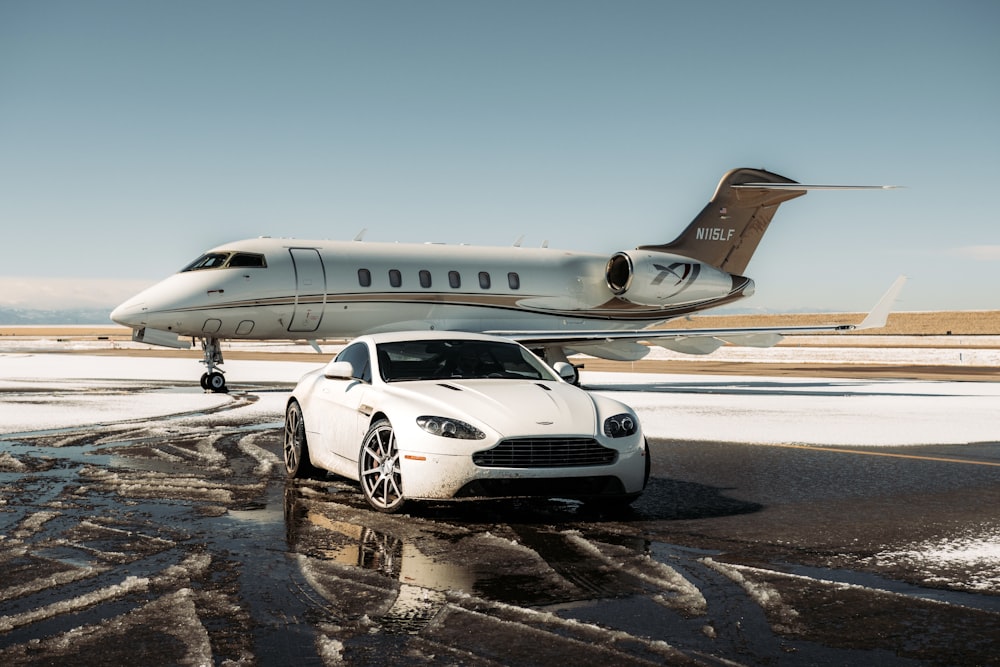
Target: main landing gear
pixel 213 379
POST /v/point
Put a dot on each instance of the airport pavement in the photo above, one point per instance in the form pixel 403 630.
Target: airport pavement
pixel 147 522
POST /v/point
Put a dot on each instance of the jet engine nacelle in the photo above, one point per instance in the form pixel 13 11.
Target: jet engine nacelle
pixel 651 278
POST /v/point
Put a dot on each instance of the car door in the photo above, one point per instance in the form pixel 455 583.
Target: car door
pixel 344 418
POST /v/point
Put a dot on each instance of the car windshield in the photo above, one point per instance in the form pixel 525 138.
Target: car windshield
pixel 458 359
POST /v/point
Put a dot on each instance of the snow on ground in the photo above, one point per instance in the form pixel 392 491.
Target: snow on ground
pixel 47 391
pixel 976 555
pixel 693 407
pixel 894 350
pixel 818 411
pixel 905 350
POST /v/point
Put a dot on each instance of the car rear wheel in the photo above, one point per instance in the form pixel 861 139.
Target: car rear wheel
pixel 378 468
pixel 296 447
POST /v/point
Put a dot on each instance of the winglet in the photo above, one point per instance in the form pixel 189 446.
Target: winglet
pixel 878 316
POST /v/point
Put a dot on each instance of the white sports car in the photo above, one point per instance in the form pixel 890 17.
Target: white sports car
pixel 439 415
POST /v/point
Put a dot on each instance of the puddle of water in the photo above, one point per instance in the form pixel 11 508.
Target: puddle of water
pixel 876 582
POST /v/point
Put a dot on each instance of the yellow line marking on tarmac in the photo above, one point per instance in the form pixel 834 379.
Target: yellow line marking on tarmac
pixel 864 452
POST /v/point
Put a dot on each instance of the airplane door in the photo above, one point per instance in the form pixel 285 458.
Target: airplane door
pixel 310 289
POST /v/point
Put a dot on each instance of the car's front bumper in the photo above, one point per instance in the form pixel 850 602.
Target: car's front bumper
pixel 439 476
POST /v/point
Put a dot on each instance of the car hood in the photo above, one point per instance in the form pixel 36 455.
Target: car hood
pixel 510 407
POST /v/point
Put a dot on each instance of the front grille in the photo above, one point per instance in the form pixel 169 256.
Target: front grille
pixel 545 453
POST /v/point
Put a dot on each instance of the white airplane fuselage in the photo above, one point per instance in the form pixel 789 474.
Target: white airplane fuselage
pixel 341 289
pixel 554 301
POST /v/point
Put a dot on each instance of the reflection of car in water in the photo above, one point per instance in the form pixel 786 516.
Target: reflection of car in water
pixel 355 545
pixel 441 415
pixel 331 549
pixel 352 545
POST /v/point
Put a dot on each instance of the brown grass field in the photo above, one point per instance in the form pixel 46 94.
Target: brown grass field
pixel 938 323
pixel 930 324
pixel 943 323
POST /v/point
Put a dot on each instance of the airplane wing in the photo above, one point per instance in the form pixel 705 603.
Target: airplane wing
pixel 625 345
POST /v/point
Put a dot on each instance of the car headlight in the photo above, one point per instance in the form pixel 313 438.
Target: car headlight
pixel 620 426
pixel 450 428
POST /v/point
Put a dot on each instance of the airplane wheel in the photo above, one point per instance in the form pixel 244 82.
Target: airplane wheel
pixel 378 469
pixel 204 381
pixel 216 382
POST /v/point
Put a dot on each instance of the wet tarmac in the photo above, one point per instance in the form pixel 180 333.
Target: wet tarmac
pixel 177 540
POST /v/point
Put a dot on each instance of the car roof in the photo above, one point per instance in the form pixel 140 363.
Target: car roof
pixel 400 336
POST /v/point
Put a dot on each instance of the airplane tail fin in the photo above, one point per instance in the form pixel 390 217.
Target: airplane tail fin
pixel 726 232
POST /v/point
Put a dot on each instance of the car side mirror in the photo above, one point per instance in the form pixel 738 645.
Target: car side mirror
pixel 339 370
pixel 565 371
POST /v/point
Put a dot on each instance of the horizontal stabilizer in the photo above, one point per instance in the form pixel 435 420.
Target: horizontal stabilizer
pixel 802 186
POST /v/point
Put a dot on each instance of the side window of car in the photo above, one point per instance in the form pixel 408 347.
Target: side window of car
pixel 358 355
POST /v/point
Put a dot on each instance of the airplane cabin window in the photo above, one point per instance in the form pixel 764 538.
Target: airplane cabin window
pixel 484 279
pixel 364 277
pixel 514 280
pixel 395 277
pixel 425 279
pixel 454 279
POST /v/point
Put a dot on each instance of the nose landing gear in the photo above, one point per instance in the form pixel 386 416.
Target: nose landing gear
pixel 213 380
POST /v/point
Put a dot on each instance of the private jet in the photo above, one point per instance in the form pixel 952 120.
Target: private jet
pixel 555 302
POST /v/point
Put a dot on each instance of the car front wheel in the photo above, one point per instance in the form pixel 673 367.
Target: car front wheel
pixel 378 468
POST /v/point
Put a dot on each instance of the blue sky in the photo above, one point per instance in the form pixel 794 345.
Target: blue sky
pixel 135 135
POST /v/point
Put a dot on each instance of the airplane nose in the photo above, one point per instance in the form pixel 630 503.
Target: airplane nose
pixel 128 314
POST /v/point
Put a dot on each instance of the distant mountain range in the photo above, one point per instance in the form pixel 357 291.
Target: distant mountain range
pixel 27 316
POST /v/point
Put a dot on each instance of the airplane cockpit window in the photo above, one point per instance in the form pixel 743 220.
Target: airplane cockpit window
pixel 220 260
pixel 210 260
pixel 247 260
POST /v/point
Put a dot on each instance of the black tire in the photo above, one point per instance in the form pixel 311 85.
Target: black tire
pixel 204 381
pixel 649 465
pixel 620 502
pixel 378 469
pixel 216 381
pixel 296 448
